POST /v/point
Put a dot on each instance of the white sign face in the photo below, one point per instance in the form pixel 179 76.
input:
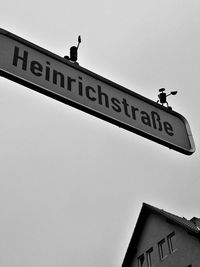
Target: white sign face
pixel 47 73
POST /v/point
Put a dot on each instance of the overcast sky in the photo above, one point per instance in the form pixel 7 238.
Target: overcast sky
pixel 72 185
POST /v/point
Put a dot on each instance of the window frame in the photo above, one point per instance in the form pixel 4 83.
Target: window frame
pixel 141 260
pixel 171 246
pixel 161 250
pixel 149 257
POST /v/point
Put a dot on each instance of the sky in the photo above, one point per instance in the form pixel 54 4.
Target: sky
pixel 72 185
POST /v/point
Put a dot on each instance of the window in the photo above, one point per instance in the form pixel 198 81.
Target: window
pixel 162 248
pixel 140 260
pixel 171 242
pixel 149 254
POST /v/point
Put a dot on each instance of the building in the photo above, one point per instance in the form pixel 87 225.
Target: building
pixel 161 239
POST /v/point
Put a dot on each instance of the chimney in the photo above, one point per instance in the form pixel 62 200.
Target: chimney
pixel 196 221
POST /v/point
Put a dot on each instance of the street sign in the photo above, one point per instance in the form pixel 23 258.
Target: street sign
pixel 56 77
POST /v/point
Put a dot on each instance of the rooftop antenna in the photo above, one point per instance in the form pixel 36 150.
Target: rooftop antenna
pixel 74 52
pixel 163 97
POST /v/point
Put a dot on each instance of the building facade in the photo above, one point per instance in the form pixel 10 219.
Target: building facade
pixel 161 239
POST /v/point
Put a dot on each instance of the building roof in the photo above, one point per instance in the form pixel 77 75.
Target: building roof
pixel 192 226
pixel 187 224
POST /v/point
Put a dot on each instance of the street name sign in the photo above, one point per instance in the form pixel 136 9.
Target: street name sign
pixel 36 68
